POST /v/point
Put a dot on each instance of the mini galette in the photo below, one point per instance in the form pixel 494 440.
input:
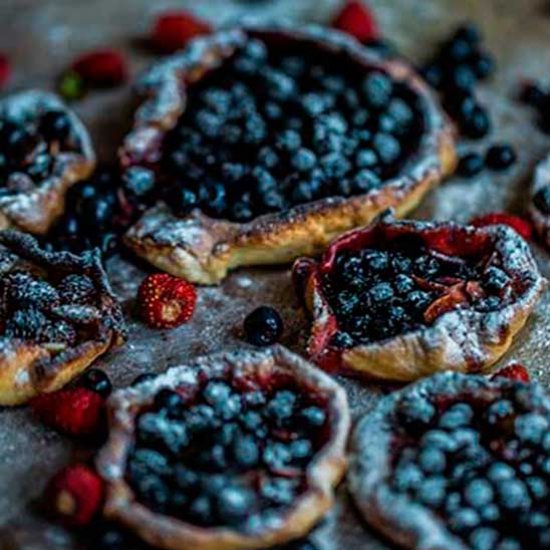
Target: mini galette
pixel 44 150
pixel 57 314
pixel 267 142
pixel 456 462
pixel 235 451
pixel 402 299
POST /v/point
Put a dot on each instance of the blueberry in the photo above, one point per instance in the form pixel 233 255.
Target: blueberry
pixel 334 123
pixel 403 284
pixel 387 147
pixel 478 493
pixel 312 417
pixel 278 490
pixel 483 65
pixel 477 124
pixel 533 95
pixel 233 504
pixel 432 491
pixel 246 451
pixel 464 520
pixel 365 180
pixel 531 428
pixel 513 494
pixel 263 326
pixel 200 418
pixel 462 78
pixel 281 406
pixel 289 140
pixel 432 460
pixel 407 477
pixel 168 400
pixel 139 181
pixel 498 411
pixel 97 381
pixel 483 538
pixel 145 462
pixel 200 510
pixel 495 280
pixel 382 292
pixel 470 165
pixel 276 455
pixel 376 261
pixel 315 104
pixel 419 300
pixel 366 158
pixel 334 165
pixel 241 211
pixel 268 157
pixel 426 266
pixel 185 478
pixel 499 471
pixel 416 410
pixel 456 416
pixel 500 157
pixel 377 88
pixel 433 75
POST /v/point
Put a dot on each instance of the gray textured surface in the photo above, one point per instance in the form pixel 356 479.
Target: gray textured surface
pixel 42 36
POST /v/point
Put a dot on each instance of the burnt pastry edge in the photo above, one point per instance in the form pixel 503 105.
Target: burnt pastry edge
pixel 323 474
pixel 36 211
pixel 396 516
pixel 461 340
pixel 27 369
pixel 202 249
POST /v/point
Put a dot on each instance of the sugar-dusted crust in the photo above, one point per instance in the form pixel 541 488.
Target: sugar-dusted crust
pixel 541 180
pixel 323 473
pixel 28 369
pixel 202 249
pixel 462 340
pixel 36 210
pixel 403 521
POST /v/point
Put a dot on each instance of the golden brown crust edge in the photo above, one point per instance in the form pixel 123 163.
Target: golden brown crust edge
pixel 323 474
pixel 203 250
pixel 28 369
pixel 37 210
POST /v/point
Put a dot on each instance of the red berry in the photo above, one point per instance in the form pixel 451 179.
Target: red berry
pixel 514 371
pixel 5 70
pixel 166 301
pixel 172 30
pixel 356 19
pixel 521 225
pixel 101 68
pixel 74 411
pixel 75 495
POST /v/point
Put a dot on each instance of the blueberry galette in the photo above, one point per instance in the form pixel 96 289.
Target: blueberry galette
pixel 267 142
pixel 57 314
pixel 457 462
pixel 399 300
pixel 44 150
pixel 235 451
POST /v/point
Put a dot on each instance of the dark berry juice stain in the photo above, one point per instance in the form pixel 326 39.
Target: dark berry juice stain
pixel 401 286
pixel 277 127
pixel 481 464
pixel 28 148
pixel 225 456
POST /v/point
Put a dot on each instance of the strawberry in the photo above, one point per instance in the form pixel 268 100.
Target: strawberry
pixel 75 494
pixel 172 30
pixel 5 70
pixel 73 411
pixel 514 371
pixel 356 19
pixel 166 301
pixel 522 226
pixel 101 68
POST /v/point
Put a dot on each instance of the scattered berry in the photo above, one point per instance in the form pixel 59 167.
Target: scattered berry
pixel 101 68
pixel 515 371
pixel 173 30
pixel 75 495
pixel 97 381
pixel 74 411
pixel 532 94
pixel 500 157
pixel 263 326
pixel 522 226
pixel 470 165
pixel 166 301
pixel 356 19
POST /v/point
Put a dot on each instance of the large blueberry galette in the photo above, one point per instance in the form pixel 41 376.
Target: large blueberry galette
pixel 457 462
pixel 235 451
pixel 399 300
pixel 267 142
pixel 57 314
pixel 44 150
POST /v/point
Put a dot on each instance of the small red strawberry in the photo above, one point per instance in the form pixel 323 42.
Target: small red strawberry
pixel 172 30
pixel 73 411
pixel 5 70
pixel 356 19
pixel 75 495
pixel 521 225
pixel 514 371
pixel 166 301
pixel 101 68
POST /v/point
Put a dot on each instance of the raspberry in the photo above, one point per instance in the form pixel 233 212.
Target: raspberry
pixel 514 371
pixel 74 411
pixel 172 30
pixel 5 70
pixel 75 495
pixel 356 19
pixel 522 226
pixel 101 68
pixel 166 301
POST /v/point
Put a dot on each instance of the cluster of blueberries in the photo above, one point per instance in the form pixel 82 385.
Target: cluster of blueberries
pixel 482 465
pixel 27 148
pixel 271 130
pixel 376 294
pixel 227 458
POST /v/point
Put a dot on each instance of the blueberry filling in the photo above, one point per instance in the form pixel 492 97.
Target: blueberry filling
pixel 379 293
pixel 273 128
pixel 28 148
pixel 480 463
pixel 225 456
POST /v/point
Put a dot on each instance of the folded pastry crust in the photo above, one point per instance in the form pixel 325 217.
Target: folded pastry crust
pixel 203 249
pixel 37 209
pixel 28 368
pixel 322 474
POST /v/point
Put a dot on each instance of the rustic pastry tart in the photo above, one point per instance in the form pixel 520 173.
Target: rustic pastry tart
pixel 398 300
pixel 267 142
pixel 456 462
pixel 57 315
pixel 240 450
pixel 44 150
